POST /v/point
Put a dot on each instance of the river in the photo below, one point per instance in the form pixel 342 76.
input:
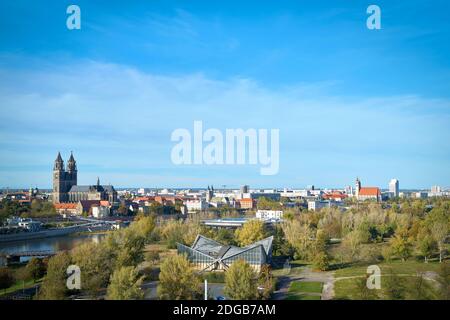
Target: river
pixel 53 244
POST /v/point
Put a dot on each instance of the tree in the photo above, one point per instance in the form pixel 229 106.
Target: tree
pixel 54 284
pixel 126 247
pixel 95 264
pixel 265 203
pixel 265 282
pixel 251 231
pixel 438 221
pixel 178 280
pixel 352 243
pixel 425 244
pixel 152 257
pixel 125 285
pixel 401 247
pixel 6 278
pixel 321 261
pixel 144 225
pixel 173 231
pixel 299 235
pixel 191 229
pixel 240 281
pixel 35 269
pixel 225 236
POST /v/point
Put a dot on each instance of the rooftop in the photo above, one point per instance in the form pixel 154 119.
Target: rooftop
pixel 217 250
pixel 369 191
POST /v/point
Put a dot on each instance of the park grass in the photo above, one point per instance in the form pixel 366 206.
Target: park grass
pixel 19 285
pixel 409 267
pixel 347 289
pixel 303 286
pixel 303 290
pixel 300 296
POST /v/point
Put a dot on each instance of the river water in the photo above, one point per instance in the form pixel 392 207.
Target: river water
pixel 53 244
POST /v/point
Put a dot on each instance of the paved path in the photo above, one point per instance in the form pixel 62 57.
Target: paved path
pixel 326 277
pixel 308 275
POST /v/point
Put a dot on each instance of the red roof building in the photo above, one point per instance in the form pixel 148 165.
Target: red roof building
pixel 66 208
pixel 247 203
pixel 369 193
pixel 335 195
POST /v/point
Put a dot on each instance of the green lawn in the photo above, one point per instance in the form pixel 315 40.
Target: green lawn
pixel 408 267
pixel 303 286
pixel 347 289
pixel 302 297
pixel 303 290
pixel 18 286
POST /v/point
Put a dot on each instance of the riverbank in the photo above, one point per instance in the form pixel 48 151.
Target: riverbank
pixel 22 236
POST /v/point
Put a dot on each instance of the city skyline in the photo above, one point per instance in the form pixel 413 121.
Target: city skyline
pixel 349 102
pixel 60 165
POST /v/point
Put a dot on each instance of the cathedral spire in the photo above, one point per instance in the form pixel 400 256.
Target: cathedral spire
pixel 71 164
pixel 59 163
pixel 98 181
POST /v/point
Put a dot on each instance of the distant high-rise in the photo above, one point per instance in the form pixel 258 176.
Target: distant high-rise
pixel 245 189
pixel 436 189
pixel 394 187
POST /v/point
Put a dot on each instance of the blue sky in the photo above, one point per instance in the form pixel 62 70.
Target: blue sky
pixel 348 101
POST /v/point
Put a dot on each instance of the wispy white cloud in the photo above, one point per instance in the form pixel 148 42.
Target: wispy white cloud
pixel 118 119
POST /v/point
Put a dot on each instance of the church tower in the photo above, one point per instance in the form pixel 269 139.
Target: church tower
pixel 71 172
pixel 59 183
pixel 209 194
pixel 357 186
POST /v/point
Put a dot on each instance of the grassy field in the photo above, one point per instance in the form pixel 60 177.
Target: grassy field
pixel 347 289
pixel 302 297
pixel 406 271
pixel 399 267
pixel 19 285
pixel 299 286
pixel 302 290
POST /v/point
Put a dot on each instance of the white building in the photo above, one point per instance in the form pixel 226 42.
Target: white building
pixel 143 191
pixel 394 188
pixel 315 205
pixel 100 212
pixel 269 214
pixel 196 205
pixel 436 191
pixel 420 195
pixel 295 193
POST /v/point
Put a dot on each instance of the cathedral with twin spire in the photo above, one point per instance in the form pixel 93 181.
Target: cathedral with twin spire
pixel 65 188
